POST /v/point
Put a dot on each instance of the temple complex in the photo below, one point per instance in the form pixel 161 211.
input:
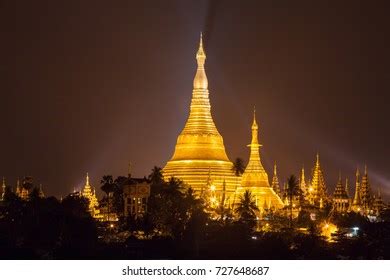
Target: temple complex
pixel 201 162
pixel 200 149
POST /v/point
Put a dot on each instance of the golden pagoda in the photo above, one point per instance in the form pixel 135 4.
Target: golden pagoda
pixel 341 201
pixel 90 194
pixel 365 192
pixel 255 179
pixel 199 149
pixel 356 204
pixel 302 182
pixel 316 192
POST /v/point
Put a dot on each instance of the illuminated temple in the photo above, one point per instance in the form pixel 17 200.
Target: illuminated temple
pixel 200 159
pixel 200 153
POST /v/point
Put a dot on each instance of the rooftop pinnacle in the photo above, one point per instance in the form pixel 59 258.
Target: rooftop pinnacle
pixel 200 80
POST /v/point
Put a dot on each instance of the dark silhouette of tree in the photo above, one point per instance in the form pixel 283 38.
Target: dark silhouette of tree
pixel 156 180
pixel 238 167
pixel 107 186
pixel 117 194
pixel 246 209
pixel 34 194
pixel 293 191
pixel 76 206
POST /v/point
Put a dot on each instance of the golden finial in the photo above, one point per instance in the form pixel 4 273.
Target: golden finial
pixel 339 175
pixel 365 169
pixel 201 53
pixel 275 171
pixel 254 125
pixel 87 180
pixel 318 159
pixel 357 172
pixel 200 80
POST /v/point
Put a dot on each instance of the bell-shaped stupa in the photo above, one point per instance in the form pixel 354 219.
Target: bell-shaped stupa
pixel 255 178
pixel 200 152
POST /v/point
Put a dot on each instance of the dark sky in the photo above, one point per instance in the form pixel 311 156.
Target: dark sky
pixel 92 85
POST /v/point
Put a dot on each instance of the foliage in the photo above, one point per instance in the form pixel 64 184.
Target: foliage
pixel 238 167
pixel 246 209
pixel 46 228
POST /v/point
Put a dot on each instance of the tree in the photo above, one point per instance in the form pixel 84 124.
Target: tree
pixel 108 187
pixel 117 201
pixel 293 191
pixel 156 180
pixel 238 167
pixel 156 176
pixel 246 209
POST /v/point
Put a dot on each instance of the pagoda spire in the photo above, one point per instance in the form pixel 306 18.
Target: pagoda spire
pixel 318 187
pixel 254 174
pixel 275 181
pixel 254 164
pixel 200 80
pixel 275 171
pixel 302 181
pixel 365 191
pixel 318 160
pixel 87 180
pixel 346 187
pixel 356 199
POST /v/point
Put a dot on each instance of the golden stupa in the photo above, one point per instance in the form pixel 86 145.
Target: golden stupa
pixel 255 179
pixel 200 155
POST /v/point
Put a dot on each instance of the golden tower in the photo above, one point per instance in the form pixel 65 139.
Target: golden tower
pixel 302 182
pixel 199 149
pixel 255 179
pixel 365 192
pixel 90 194
pixel 317 189
pixel 340 196
pixel 356 204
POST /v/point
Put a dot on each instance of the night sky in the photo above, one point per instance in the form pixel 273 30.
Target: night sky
pixel 92 85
